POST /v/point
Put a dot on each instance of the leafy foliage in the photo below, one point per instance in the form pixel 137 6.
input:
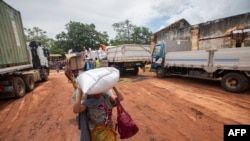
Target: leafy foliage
pixel 39 35
pixel 128 33
pixel 141 35
pixel 80 35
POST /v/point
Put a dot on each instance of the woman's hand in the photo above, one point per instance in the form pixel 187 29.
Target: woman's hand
pixel 77 107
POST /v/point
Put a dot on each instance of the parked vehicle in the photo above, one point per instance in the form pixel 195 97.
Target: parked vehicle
pixel 128 58
pixel 229 65
pixel 21 64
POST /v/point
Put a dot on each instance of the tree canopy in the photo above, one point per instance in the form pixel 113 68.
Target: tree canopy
pixel 38 34
pixel 128 33
pixel 80 35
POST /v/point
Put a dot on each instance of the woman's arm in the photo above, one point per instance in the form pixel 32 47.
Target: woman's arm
pixel 118 94
pixel 77 107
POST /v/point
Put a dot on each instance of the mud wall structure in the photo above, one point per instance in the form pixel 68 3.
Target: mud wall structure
pixel 226 32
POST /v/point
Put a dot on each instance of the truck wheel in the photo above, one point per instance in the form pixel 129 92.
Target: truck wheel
pixel 18 86
pixel 29 82
pixel 45 74
pixel 135 71
pixel 117 67
pixel 160 72
pixel 234 82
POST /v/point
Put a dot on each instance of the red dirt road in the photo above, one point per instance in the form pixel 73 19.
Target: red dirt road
pixel 169 109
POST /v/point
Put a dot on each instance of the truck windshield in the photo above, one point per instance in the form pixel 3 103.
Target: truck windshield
pixel 157 50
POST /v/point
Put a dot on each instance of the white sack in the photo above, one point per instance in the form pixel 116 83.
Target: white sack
pixel 99 80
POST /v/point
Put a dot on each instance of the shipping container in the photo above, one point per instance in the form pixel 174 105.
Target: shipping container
pixel 13 48
pixel 21 64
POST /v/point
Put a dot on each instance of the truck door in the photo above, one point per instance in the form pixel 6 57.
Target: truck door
pixel 157 56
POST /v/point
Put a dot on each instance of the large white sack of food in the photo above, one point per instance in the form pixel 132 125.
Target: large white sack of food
pixel 99 80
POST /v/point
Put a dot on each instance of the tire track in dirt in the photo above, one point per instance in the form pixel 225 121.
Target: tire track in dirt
pixel 41 117
pixel 214 107
pixel 12 113
pixel 153 126
pixel 208 102
pixel 218 105
pixel 164 109
pixel 183 110
pixel 56 112
pixel 183 117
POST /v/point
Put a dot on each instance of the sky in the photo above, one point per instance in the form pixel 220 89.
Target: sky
pixel 52 15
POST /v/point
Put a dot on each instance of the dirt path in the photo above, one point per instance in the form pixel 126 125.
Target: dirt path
pixel 169 109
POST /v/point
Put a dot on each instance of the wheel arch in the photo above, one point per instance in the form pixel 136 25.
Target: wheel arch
pixel 235 81
pixel 160 71
pixel 221 73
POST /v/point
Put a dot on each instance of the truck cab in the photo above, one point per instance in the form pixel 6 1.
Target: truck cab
pixel 230 66
pixel 39 55
pixel 157 59
pixel 40 59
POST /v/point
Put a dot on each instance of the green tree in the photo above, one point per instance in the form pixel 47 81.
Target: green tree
pixel 128 33
pixel 38 34
pixel 55 49
pixel 141 35
pixel 124 31
pixel 62 44
pixel 80 35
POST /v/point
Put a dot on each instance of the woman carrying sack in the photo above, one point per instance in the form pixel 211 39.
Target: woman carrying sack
pixel 99 109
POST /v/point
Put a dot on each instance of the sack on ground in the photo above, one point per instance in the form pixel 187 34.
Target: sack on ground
pixel 98 80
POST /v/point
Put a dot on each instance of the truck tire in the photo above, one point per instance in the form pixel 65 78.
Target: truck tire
pixel 234 82
pixel 45 74
pixel 29 82
pixel 160 72
pixel 18 86
pixel 117 67
pixel 135 71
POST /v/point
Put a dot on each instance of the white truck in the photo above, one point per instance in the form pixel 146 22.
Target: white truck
pixel 127 58
pixel 21 64
pixel 229 65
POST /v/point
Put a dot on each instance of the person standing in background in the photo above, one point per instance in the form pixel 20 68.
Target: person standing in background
pixel 92 64
pixel 97 63
pixel 57 66
pixel 87 65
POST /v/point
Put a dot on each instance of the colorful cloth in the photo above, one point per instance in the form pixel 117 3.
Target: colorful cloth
pixel 108 114
pixel 100 121
pixel 103 133
pixel 96 112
